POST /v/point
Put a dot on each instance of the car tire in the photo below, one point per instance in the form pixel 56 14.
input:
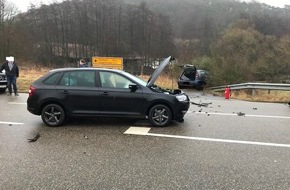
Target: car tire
pixel 180 87
pixel 199 88
pixel 160 115
pixel 2 90
pixel 53 115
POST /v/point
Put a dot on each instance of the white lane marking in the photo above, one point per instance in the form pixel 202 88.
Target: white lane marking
pixel 12 123
pixel 246 115
pixel 145 132
pixel 17 103
pixel 137 130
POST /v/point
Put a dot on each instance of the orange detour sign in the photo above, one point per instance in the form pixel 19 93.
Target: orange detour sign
pixel 108 62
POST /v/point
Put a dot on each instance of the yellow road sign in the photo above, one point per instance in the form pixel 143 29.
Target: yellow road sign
pixel 107 62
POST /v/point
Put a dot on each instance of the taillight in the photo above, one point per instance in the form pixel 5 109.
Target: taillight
pixel 32 90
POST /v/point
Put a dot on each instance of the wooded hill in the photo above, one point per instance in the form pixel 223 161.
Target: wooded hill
pixel 234 41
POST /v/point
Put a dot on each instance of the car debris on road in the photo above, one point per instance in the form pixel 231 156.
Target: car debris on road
pixel 241 114
pixel 201 104
pixel 34 138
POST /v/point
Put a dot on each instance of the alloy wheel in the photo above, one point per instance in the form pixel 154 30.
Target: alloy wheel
pixel 160 115
pixel 53 115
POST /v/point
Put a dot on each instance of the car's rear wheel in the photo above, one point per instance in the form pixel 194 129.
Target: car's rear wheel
pixel 199 86
pixel 180 87
pixel 53 115
pixel 160 115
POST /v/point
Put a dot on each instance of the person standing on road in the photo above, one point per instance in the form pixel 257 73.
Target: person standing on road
pixel 12 73
pixel 83 63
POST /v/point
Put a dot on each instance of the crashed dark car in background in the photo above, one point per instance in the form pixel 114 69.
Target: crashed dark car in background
pixel 192 78
pixel 76 92
pixel 3 82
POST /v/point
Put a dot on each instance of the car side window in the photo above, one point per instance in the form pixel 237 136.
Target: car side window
pixel 68 79
pixel 113 80
pixel 78 78
pixel 52 79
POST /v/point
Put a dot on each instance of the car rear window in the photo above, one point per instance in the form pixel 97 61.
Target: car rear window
pixel 190 74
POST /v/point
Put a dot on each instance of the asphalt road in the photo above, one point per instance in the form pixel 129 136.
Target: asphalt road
pixel 223 144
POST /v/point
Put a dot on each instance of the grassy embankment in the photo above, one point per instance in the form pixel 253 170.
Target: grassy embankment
pixel 28 75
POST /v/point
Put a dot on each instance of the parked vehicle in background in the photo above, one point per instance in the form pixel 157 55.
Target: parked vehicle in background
pixel 3 82
pixel 192 78
pixel 75 92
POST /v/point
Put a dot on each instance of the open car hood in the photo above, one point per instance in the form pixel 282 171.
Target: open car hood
pixel 157 72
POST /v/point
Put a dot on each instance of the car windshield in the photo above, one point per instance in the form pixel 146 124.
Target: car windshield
pixel 135 78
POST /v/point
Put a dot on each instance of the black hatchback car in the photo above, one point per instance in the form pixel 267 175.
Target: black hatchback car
pixel 75 92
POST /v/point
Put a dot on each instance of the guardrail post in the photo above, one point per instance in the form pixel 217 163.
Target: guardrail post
pixel 253 92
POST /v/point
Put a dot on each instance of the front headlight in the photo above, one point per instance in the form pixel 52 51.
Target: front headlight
pixel 181 98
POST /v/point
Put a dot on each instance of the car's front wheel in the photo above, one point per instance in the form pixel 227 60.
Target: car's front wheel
pixel 53 115
pixel 160 115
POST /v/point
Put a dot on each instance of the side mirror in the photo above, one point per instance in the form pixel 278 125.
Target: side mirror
pixel 133 87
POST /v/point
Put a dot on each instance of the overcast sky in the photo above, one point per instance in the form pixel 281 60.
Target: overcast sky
pixel 276 3
pixel 24 4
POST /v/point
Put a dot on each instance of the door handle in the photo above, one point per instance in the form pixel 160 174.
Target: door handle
pixel 65 92
pixel 105 94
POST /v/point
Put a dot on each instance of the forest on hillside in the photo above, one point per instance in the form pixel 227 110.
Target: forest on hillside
pixel 235 41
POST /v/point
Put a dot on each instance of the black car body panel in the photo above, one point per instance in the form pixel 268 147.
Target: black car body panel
pixel 96 97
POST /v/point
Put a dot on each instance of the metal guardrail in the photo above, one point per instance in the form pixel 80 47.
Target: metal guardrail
pixel 253 86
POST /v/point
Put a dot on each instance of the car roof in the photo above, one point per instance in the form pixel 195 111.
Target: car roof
pixel 84 68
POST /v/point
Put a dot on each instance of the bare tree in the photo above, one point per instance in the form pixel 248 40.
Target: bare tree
pixel 7 16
